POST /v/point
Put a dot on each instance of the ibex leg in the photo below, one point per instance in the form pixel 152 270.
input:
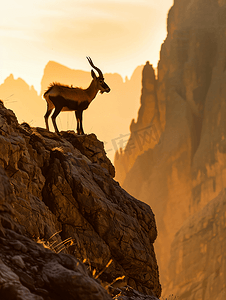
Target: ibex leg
pixel 78 114
pixel 55 114
pixel 47 116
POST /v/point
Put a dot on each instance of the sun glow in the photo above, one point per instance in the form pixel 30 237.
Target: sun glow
pixel 119 34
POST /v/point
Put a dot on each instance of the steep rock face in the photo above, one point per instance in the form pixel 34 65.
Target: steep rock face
pixel 186 169
pixel 64 184
pixel 145 132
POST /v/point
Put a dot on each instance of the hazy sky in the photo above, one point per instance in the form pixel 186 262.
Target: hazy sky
pixel 118 35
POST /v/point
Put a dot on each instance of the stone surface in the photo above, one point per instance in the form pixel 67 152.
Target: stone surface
pixel 186 169
pixel 58 187
pixel 92 149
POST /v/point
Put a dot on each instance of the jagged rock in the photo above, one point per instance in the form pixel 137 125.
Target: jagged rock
pixel 63 185
pixel 92 148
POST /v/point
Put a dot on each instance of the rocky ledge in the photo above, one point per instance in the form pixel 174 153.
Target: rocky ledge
pixel 56 188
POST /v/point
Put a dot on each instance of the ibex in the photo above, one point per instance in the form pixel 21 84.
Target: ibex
pixel 66 98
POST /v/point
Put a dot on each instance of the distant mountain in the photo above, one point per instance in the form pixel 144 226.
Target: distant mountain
pixel 24 100
pixel 55 72
pixel 108 116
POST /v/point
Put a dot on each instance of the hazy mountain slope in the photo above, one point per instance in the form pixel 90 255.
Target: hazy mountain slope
pixel 186 168
pixel 146 130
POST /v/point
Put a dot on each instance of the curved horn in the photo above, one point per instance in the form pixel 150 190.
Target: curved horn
pixel 92 65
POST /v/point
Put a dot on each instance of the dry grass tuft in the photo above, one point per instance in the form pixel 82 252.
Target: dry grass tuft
pixel 57 248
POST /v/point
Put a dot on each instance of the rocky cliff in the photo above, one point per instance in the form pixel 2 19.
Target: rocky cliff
pixel 180 173
pixel 59 190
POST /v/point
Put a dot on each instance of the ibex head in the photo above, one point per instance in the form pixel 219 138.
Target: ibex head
pixel 102 86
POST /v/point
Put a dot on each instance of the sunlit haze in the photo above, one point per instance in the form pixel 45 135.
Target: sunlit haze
pixel 118 35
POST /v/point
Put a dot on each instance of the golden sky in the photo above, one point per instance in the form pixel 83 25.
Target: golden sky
pixel 119 35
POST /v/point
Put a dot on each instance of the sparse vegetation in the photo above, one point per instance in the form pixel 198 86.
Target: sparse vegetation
pixel 57 248
pixel 96 276
pixel 54 246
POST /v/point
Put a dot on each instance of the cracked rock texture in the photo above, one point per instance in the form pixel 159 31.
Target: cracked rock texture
pixel 63 185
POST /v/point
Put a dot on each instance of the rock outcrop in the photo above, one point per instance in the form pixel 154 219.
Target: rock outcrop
pixel 63 185
pixel 185 170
